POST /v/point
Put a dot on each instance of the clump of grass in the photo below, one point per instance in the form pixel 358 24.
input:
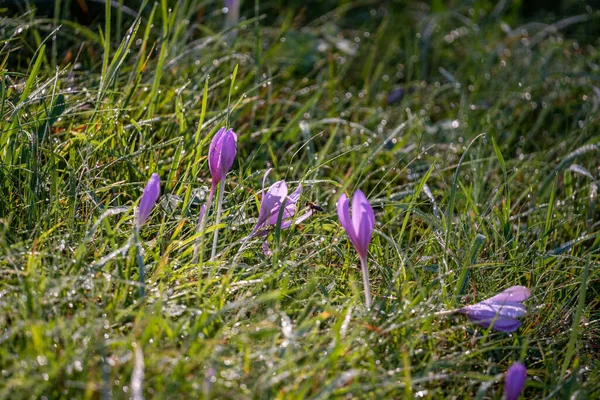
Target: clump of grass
pixel 482 173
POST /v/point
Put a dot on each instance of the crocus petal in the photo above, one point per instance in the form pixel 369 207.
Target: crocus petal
pixel 502 315
pixel 303 217
pixel 265 179
pixel 479 312
pixel 512 309
pixel 288 222
pixel 284 223
pixel 343 210
pixel 363 221
pixel 502 324
pixel 514 293
pixel 295 196
pixel 288 212
pixel 214 156
pixel 273 199
pixel 514 381
pixel 148 199
pixel 228 151
pixel 498 323
pixel 502 309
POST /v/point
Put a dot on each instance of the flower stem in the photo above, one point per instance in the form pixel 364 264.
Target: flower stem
pixel 140 262
pixel 218 219
pixel 202 226
pixel 365 274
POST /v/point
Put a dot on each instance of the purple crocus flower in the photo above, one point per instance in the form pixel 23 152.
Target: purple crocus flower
pixel 359 228
pixel 514 382
pixel 273 199
pixel 221 154
pixel 148 199
pixel 500 311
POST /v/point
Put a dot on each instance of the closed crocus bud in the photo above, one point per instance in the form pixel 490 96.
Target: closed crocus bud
pixel 221 154
pixel 514 382
pixel 359 226
pixel 500 311
pixel 148 199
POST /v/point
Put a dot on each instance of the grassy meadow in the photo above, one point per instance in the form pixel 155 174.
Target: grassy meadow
pixel 473 127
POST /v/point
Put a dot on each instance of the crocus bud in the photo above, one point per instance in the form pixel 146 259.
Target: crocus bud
pixel 221 154
pixel 360 225
pixel 149 197
pixel 500 311
pixel 514 382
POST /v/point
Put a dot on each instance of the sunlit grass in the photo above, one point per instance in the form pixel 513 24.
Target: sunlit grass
pixel 483 175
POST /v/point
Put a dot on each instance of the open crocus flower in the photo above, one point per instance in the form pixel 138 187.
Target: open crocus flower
pixel 514 382
pixel 359 227
pixel 273 199
pixel 148 199
pixel 501 311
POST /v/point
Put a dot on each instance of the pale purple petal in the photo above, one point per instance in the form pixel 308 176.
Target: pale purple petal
pixel 479 312
pixel 214 156
pixel 502 309
pixel 502 324
pixel 264 231
pixel 502 315
pixel 514 381
pixel 295 196
pixel 288 222
pixel 288 212
pixel 148 199
pixel 363 221
pixel 343 210
pixel 303 217
pixel 228 151
pixel 514 293
pixel 265 179
pixel 485 319
pixel 512 309
pixel 272 199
